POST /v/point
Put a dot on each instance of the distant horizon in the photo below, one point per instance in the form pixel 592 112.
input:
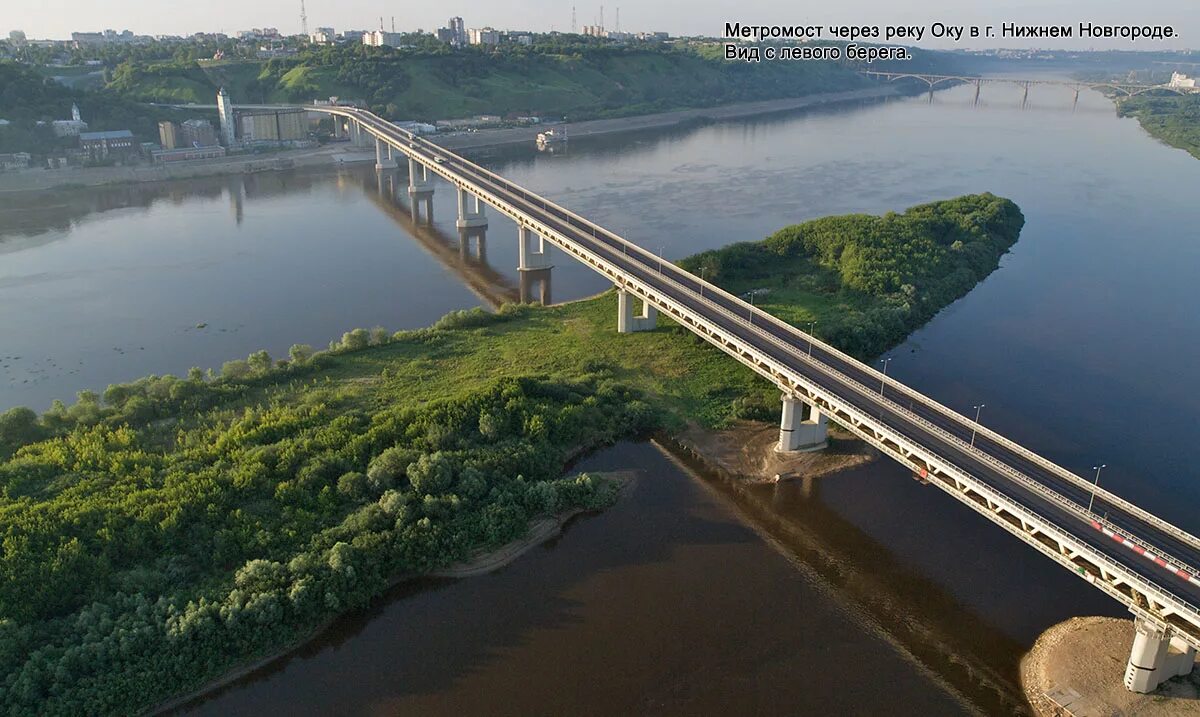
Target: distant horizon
pixel 57 19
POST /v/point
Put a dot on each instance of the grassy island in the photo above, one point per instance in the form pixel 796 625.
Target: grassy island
pixel 169 530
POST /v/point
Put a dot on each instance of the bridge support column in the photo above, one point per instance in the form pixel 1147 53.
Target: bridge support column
pixel 977 86
pixel 470 216
pixel 627 323
pixel 337 126
pixel 420 190
pixel 802 434
pixel 1156 657
pixel 533 252
pixel 383 155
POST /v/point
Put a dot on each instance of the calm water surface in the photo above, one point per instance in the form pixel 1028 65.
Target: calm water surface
pixel 1082 346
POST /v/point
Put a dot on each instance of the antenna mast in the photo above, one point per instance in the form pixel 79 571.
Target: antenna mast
pixel 572 19
pixel 618 28
pixel 303 19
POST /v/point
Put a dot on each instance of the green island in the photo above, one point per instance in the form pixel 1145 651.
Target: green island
pixel 1170 119
pixel 174 529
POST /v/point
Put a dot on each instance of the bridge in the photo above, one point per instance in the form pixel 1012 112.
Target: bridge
pixel 1127 89
pixel 1126 552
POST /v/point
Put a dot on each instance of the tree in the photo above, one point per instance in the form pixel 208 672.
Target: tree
pixel 259 362
pixel 19 426
pixel 236 369
pixel 300 353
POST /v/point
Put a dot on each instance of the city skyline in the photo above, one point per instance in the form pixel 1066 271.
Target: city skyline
pixel 58 18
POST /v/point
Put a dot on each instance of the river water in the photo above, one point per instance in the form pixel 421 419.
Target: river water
pixel 854 595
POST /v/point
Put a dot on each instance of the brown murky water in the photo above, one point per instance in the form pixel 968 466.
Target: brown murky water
pixel 668 603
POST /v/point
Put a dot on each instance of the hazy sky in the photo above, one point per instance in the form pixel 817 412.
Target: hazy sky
pixel 57 18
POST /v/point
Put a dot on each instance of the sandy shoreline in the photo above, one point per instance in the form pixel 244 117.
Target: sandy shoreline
pixel 333 155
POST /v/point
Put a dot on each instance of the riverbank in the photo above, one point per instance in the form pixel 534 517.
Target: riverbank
pixel 540 530
pixel 1077 667
pixel 33 180
pixel 334 155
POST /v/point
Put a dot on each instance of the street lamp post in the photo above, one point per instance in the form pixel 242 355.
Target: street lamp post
pixel 976 426
pixel 812 326
pixel 883 381
pixel 1096 485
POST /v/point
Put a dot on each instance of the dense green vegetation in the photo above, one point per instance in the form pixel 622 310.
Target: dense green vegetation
pixel 1172 119
pixel 174 526
pixel 160 533
pixel 576 80
pixel 27 96
pixel 869 281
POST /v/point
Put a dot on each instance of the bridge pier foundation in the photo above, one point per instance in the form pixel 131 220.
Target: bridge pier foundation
pixel 420 191
pixel 627 323
pixel 383 155
pixel 797 433
pixel 468 216
pixel 1155 658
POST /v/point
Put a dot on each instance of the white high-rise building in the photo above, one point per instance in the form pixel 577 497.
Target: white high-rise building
pixel 228 123
pixel 1182 81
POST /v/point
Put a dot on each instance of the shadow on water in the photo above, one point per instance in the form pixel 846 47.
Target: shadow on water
pixel 918 615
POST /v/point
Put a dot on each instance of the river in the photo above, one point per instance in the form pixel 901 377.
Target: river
pixel 1080 346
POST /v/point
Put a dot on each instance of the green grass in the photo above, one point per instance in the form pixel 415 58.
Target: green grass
pixel 686 377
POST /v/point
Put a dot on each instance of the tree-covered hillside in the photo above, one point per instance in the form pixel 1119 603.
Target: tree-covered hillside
pixel 27 96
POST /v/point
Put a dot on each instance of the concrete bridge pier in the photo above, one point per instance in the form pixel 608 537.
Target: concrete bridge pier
pixel 799 433
pixel 337 126
pixel 383 155
pixel 1025 96
pixel 533 251
pixel 470 217
pixel 627 323
pixel 1156 657
pixel 420 190
pixel 977 87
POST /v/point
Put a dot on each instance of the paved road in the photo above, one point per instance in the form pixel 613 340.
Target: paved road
pixel 1032 482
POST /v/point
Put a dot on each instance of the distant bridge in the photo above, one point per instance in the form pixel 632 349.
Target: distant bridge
pixel 1128 89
